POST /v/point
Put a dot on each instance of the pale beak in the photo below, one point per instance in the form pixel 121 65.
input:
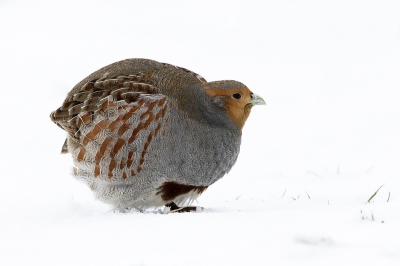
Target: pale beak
pixel 256 100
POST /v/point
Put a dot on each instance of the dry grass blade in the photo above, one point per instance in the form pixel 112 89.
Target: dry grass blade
pixel 373 195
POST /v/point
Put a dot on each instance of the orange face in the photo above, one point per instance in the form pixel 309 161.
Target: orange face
pixel 237 102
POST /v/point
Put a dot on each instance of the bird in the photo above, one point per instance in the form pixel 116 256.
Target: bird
pixel 145 134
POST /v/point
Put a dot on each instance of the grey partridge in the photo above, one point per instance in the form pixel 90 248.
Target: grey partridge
pixel 147 134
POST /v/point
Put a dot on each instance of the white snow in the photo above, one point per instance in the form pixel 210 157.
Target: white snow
pixel 310 160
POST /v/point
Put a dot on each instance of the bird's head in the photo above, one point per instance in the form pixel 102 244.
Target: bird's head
pixel 235 98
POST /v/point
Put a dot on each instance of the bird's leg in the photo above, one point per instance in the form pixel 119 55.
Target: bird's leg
pixel 175 208
pixel 172 206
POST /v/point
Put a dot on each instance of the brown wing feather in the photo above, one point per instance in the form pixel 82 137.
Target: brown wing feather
pixel 91 96
pixel 114 139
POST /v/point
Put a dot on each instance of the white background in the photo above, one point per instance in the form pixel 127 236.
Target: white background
pixel 328 138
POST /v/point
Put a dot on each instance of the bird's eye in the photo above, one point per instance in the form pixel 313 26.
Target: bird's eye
pixel 237 95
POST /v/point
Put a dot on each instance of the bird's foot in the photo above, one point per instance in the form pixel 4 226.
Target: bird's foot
pixel 187 209
pixel 173 208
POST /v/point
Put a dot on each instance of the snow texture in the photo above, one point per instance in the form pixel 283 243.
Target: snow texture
pixel 310 160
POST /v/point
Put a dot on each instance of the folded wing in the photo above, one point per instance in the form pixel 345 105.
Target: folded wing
pixel 111 123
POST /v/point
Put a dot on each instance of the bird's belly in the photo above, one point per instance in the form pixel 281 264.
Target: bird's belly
pixel 134 196
pixel 201 157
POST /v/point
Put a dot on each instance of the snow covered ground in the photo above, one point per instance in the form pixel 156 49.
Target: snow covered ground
pixel 310 160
